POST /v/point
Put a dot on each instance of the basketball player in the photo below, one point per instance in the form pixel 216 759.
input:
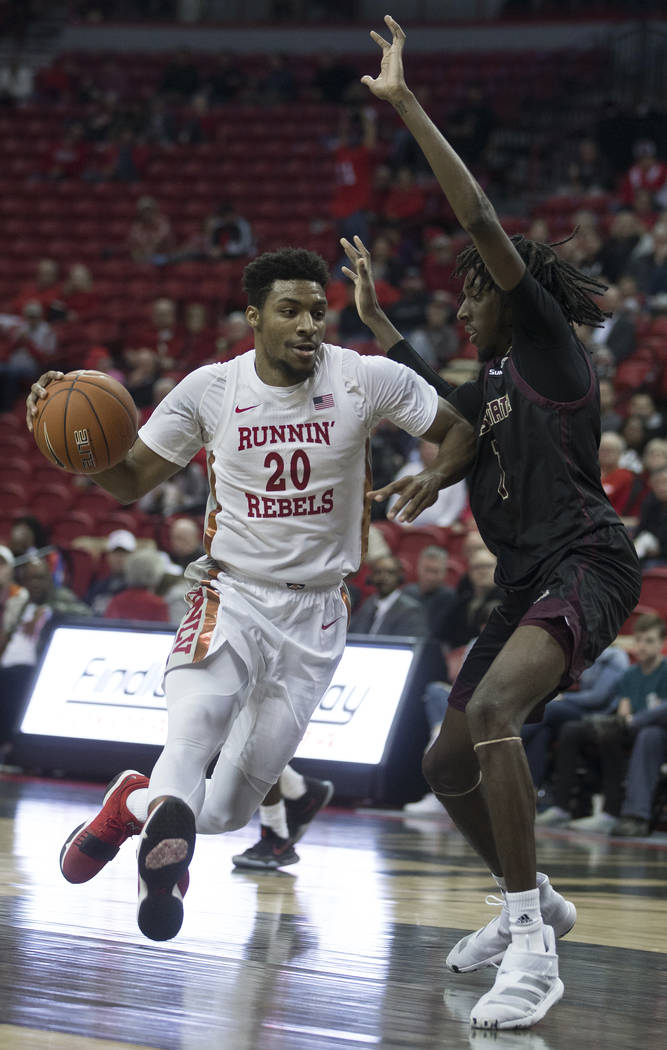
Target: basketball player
pixel 286 429
pixel 567 566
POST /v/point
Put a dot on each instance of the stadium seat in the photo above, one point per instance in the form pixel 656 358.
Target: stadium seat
pixel 639 610
pixel 654 590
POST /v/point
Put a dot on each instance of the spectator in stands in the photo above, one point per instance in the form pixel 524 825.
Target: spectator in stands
pixel 625 234
pixel 199 339
pixel 353 163
pixel 651 535
pixel 68 157
pixel 587 172
pixel 474 593
pixel 184 541
pixel 78 295
pixel 197 124
pixel 142 369
pixel 235 336
pixel 16 82
pixel 594 693
pixel 610 418
pixel 12 597
pixel 161 333
pixel 184 493
pixel 618 333
pixel 436 340
pixel 44 601
pixel 655 455
pixel 120 544
pixel 642 405
pixel 650 268
pixel 279 86
pixel 180 78
pixel 634 433
pixel 647 173
pixel 138 600
pixel 389 611
pixel 150 236
pixel 605 743
pixel 625 489
pixel 27 346
pixel 431 590
pixel 438 264
pixel 405 201
pixel 409 312
pixel 649 751
pixel 451 502
pixel 124 159
pixel 226 81
pixel 44 288
pixel 229 234
pixel 471 124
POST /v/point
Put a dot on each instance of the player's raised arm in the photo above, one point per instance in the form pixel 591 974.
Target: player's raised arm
pixel 470 204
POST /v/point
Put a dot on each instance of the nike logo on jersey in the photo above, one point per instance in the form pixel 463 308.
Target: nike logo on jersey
pixel 543 595
pixel 247 409
pixel 326 626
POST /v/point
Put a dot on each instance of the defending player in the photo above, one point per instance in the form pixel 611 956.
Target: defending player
pixel 564 559
pixel 286 429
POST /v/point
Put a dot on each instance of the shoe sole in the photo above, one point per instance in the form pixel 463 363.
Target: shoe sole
pixel 495 960
pixel 97 850
pixel 165 851
pixel 302 828
pixel 554 996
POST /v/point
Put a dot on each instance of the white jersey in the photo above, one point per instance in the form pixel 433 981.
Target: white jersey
pixel 288 467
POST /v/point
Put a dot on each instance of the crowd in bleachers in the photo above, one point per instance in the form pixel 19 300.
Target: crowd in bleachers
pixel 135 188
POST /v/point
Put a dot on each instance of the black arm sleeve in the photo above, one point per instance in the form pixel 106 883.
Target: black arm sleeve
pixel 545 350
pixel 466 399
pixel 404 354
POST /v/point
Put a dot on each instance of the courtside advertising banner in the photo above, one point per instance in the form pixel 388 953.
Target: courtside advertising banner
pixel 106 684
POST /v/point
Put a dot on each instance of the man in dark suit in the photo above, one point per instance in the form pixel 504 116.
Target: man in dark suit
pixel 390 610
pixel 430 590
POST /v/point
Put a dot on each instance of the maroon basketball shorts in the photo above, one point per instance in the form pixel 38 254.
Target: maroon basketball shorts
pixel 582 603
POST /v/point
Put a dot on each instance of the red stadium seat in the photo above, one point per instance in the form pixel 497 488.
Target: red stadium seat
pixel 80 569
pixel 654 590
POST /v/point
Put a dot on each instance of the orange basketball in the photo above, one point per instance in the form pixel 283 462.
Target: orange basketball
pixel 86 423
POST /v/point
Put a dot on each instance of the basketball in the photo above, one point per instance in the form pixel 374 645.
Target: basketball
pixel 86 423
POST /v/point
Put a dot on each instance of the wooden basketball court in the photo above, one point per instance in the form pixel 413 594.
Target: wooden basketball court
pixel 343 950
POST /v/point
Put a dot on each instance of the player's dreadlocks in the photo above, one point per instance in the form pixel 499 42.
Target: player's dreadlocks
pixel 571 288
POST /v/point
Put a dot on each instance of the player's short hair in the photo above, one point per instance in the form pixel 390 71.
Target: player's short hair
pixel 650 622
pixel 285 264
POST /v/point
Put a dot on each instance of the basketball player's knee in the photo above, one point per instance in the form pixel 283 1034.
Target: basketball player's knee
pixel 491 715
pixel 229 817
pixel 447 771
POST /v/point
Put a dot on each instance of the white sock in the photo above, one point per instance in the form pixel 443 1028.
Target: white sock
pixel 499 881
pixel 137 803
pixel 292 784
pixel 274 817
pixel 526 920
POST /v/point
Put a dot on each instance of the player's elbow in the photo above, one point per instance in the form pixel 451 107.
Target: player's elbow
pixel 481 217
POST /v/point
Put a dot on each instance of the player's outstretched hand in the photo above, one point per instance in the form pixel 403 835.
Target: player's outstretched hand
pixel 360 273
pixel 415 495
pixel 37 391
pixel 390 83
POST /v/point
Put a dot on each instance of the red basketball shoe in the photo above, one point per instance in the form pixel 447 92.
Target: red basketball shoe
pixel 95 843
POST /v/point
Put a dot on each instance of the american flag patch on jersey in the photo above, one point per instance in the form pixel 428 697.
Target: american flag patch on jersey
pixel 323 401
